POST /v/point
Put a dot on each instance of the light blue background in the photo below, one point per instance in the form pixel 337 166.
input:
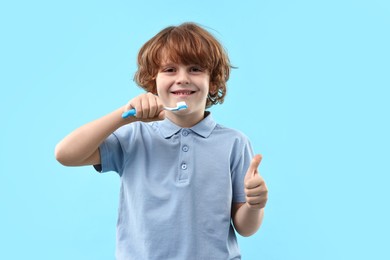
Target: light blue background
pixel 311 92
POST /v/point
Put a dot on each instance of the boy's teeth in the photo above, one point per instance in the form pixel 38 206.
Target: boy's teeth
pixel 182 92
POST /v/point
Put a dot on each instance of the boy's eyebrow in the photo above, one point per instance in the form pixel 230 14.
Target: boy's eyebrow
pixel 175 63
pixel 167 64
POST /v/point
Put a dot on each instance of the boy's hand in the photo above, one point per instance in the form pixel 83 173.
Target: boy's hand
pixel 255 189
pixel 148 107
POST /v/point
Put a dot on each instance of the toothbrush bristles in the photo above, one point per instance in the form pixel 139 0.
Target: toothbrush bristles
pixel 181 105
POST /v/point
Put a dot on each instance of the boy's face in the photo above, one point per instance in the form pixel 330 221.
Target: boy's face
pixel 179 82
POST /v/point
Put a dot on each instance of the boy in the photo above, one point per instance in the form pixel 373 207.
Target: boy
pixel 185 180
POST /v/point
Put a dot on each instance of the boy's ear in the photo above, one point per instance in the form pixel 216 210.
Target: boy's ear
pixel 213 89
pixel 154 89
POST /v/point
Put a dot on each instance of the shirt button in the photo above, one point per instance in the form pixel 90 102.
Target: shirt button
pixel 185 148
pixel 184 166
pixel 185 133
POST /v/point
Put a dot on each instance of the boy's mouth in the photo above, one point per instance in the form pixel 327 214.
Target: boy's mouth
pixel 183 92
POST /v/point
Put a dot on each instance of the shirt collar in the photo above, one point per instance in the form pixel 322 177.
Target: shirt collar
pixel 203 128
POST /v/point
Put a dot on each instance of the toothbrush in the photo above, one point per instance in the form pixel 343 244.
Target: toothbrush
pixel 179 106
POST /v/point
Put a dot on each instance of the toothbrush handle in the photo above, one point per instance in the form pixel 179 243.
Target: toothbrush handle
pixel 128 113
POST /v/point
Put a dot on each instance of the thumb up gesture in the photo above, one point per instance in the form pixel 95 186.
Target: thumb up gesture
pixel 255 189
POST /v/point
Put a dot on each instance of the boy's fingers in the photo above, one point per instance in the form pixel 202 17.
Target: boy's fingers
pixel 255 164
pixel 153 108
pixel 145 108
pixel 253 183
pixel 159 108
pixel 161 115
pixel 129 106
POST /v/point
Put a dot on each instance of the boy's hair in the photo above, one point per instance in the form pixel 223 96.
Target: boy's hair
pixel 188 44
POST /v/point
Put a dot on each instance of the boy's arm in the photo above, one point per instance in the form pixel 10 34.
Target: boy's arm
pixel 247 217
pixel 81 147
pixel 246 220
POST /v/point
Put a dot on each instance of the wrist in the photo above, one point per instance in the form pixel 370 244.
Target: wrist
pixel 253 208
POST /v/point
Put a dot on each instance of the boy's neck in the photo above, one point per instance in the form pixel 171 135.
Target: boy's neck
pixel 186 121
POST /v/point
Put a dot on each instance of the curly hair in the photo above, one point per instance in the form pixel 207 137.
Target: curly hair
pixel 188 44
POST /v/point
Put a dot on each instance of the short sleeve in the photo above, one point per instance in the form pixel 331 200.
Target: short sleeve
pixel 111 155
pixel 243 157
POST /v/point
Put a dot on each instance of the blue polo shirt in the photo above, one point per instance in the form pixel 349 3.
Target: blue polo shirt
pixel 177 188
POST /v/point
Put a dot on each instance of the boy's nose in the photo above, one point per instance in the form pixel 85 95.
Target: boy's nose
pixel 183 79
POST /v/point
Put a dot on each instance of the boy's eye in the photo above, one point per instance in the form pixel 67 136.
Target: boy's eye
pixel 168 70
pixel 196 69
